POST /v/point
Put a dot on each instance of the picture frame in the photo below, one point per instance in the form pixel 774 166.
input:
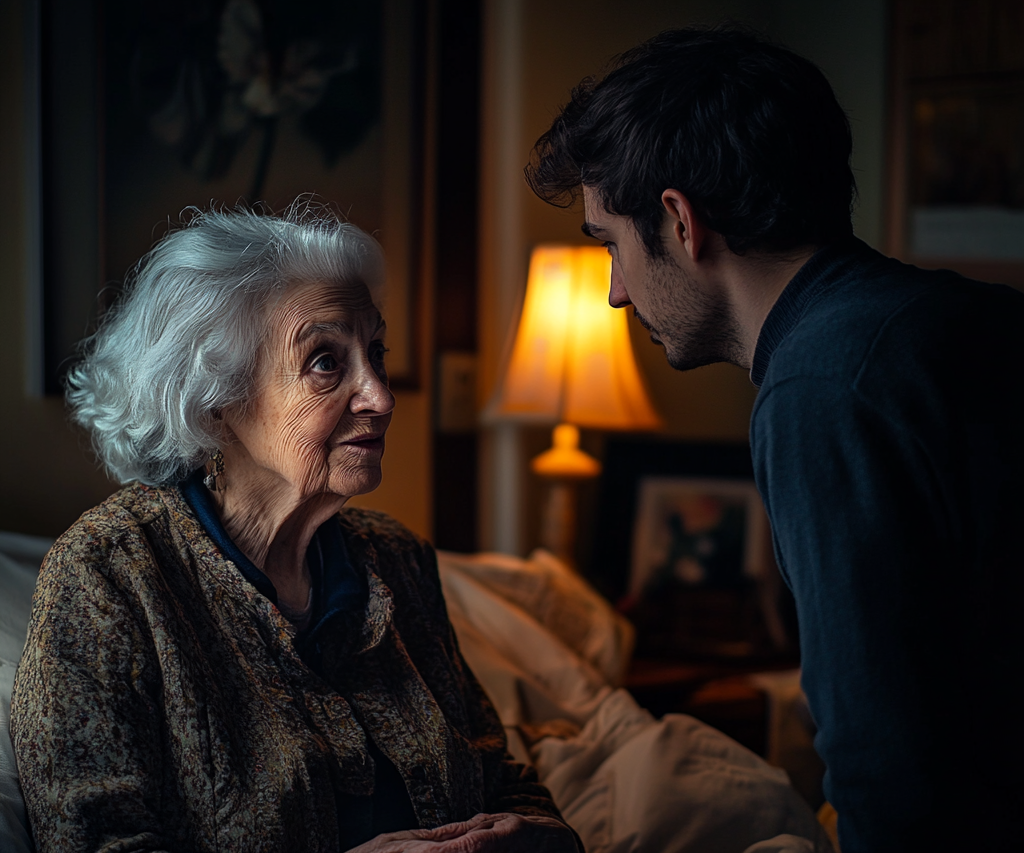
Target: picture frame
pixel 955 182
pixel 714 593
pixel 697 532
pixel 126 147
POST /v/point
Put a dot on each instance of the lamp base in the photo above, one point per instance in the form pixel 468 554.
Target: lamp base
pixel 558 527
pixel 564 465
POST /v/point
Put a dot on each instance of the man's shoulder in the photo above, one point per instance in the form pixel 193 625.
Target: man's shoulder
pixel 892 315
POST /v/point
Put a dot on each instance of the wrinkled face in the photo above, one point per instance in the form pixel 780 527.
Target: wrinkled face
pixel 322 404
pixel 685 316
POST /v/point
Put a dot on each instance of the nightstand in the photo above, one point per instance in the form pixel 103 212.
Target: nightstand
pixel 715 692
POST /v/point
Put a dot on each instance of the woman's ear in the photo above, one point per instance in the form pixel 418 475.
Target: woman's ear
pixel 687 229
pixel 224 418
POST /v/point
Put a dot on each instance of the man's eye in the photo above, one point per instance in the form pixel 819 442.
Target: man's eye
pixel 326 363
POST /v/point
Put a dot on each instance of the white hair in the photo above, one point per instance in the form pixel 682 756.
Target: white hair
pixel 182 342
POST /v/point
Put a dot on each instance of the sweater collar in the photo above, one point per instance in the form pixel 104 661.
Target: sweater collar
pixel 368 604
pixel 337 586
pixel 828 264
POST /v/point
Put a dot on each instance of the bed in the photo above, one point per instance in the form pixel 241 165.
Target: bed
pixel 552 654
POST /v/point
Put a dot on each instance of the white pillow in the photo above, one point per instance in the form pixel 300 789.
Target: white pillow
pixel 20 557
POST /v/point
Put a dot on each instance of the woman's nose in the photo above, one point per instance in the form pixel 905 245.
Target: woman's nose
pixel 373 394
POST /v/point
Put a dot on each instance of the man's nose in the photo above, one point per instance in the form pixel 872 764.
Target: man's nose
pixel 617 296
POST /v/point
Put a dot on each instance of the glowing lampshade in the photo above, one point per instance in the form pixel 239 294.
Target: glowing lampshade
pixel 571 364
pixel 572 360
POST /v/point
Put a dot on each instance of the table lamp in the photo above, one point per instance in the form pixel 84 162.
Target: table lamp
pixel 571 364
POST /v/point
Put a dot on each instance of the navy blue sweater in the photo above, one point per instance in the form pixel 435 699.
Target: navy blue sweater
pixel 888 444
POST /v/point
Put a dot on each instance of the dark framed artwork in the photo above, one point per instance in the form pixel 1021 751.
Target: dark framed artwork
pixel 697 532
pixel 683 545
pixel 956 137
pixel 148 109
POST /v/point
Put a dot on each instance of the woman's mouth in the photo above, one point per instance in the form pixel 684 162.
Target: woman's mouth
pixel 369 443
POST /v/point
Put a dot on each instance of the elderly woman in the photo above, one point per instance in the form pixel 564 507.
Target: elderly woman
pixel 220 658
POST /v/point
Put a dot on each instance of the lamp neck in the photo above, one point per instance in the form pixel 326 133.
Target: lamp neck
pixel 565 460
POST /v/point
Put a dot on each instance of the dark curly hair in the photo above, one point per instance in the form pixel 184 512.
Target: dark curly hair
pixel 748 131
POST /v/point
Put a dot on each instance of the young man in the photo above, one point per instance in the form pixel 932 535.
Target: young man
pixel 887 435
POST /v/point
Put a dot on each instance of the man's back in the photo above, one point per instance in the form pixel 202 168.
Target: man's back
pixel 886 440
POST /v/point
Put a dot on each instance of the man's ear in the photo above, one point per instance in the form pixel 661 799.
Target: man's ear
pixel 687 229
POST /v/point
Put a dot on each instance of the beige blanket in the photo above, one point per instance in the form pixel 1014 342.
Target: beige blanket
pixel 551 653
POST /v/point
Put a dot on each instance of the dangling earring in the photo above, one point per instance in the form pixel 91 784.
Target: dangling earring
pixel 210 480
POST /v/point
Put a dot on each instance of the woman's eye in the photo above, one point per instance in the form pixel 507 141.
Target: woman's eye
pixel 377 353
pixel 326 363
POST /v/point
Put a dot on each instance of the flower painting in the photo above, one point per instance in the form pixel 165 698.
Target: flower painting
pixel 150 109
pixel 206 76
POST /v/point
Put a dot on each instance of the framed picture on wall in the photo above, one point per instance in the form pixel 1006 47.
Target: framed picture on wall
pixel 683 546
pixel 697 532
pixel 956 142
pixel 148 109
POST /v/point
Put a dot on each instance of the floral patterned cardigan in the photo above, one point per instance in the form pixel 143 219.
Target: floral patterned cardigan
pixel 161 703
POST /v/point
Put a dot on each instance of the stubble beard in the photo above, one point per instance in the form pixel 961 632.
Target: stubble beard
pixel 694 328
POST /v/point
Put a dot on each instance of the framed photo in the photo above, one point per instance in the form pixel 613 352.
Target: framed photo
pixel 697 532
pixel 148 109
pixel 684 546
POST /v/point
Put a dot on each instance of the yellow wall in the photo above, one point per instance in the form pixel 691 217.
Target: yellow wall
pixel 47 476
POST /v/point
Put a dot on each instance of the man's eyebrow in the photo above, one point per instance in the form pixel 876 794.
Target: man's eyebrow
pixel 595 232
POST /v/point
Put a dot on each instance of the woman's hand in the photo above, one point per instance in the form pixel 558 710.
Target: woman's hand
pixel 484 833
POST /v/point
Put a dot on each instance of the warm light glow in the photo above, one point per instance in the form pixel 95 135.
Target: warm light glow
pixel 565 459
pixel 572 360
